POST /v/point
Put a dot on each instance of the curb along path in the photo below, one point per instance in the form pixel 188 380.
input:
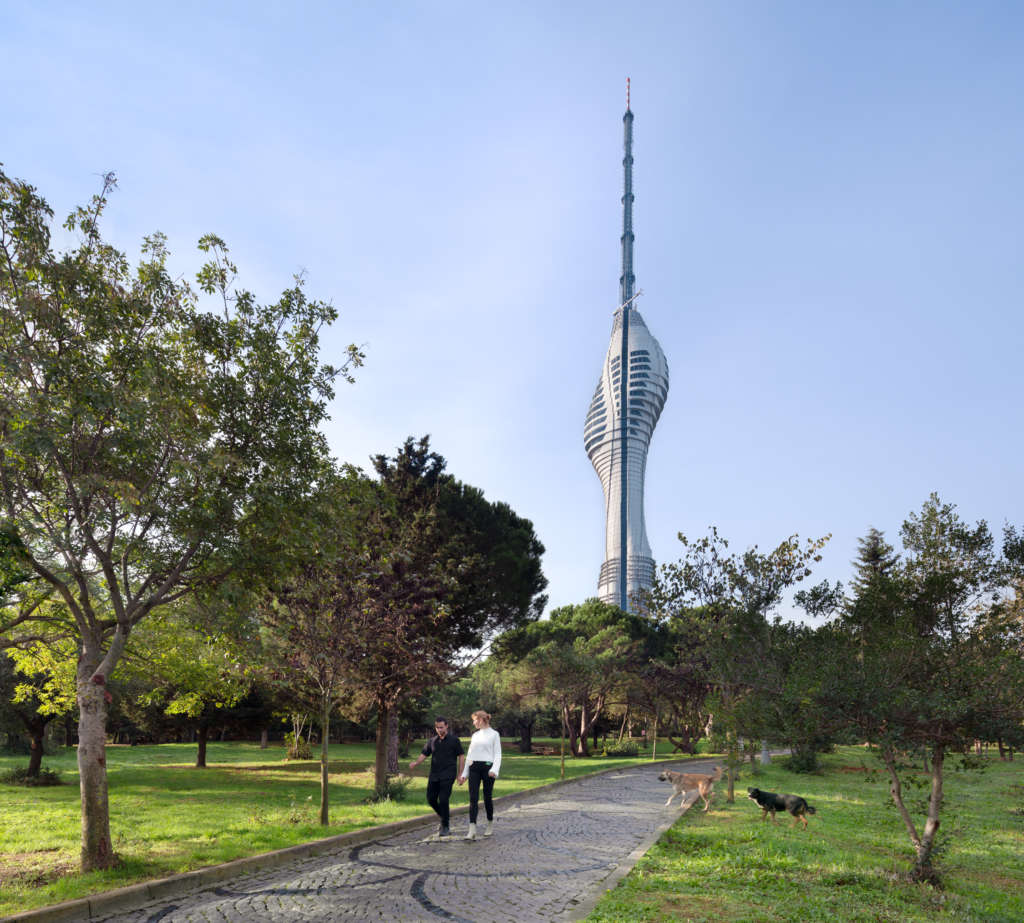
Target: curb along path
pixel 553 854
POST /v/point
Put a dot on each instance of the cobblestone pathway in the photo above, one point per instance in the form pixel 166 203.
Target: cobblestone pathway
pixel 549 858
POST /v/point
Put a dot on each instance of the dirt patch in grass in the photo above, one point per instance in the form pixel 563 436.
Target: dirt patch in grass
pixel 1002 882
pixel 35 868
pixel 696 908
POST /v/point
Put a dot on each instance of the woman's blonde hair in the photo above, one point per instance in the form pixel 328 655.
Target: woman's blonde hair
pixel 480 713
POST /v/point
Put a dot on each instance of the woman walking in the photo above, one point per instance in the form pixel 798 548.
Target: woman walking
pixel 483 761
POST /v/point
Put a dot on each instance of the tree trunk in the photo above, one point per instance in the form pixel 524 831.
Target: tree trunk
pixel 202 734
pixel 325 719
pixel 380 767
pixel 570 728
pixel 923 870
pixel 393 742
pixel 684 740
pixel 97 852
pixel 732 760
pixel 36 728
pixel 622 728
pixel 584 750
pixel 562 750
pixel 525 736
pixel 263 739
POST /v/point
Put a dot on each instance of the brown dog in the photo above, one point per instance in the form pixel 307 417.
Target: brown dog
pixel 685 781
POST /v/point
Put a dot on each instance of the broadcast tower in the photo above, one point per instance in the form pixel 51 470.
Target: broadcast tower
pixel 622 416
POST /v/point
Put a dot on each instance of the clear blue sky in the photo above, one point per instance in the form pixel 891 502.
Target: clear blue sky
pixel 829 206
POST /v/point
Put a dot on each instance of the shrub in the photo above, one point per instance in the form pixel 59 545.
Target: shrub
pixel 626 748
pixel 21 777
pixel 394 790
pixel 297 749
pixel 802 761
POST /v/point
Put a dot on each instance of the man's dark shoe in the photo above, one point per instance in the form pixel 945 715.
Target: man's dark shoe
pixel 444 831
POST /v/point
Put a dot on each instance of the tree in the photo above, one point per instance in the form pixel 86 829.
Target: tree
pixel 511 691
pixel 925 657
pixel 578 658
pixel 309 638
pixel 441 569
pixel 33 697
pixel 191 670
pixel 875 558
pixel 724 601
pixel 148 447
pixel 676 683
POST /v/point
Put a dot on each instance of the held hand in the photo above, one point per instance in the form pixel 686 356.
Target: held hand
pixel 492 775
pixel 462 779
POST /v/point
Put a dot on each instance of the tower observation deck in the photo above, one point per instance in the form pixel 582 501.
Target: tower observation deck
pixel 623 413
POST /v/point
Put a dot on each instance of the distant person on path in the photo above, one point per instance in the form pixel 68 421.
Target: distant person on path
pixel 482 765
pixel 446 758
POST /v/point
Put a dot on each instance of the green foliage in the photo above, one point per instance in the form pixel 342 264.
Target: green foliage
pixel 626 748
pixel 149 443
pixel 297 747
pixel 409 572
pixel 576 659
pixel 21 776
pixel 187 668
pixel 395 788
pixel 50 673
pixel 729 655
pixel 456 701
pixel 802 761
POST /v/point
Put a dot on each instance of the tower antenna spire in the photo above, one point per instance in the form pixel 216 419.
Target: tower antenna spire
pixel 627 279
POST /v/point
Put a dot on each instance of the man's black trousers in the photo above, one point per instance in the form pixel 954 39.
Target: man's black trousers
pixel 439 792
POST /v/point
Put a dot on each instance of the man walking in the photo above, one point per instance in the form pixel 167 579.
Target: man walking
pixel 446 758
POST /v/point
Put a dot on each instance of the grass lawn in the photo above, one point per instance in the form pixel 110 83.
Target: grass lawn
pixel 728 866
pixel 168 817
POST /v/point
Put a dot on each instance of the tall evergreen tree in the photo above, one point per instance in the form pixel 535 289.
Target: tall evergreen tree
pixel 875 558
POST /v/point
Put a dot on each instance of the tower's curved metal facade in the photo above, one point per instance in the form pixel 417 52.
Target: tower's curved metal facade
pixel 622 416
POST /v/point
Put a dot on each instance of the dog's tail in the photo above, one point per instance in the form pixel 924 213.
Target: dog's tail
pixel 811 810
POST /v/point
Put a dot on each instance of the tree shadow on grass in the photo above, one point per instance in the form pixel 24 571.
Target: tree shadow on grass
pixel 305 766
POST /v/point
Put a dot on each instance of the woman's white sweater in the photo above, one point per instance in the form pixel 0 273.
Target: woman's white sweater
pixel 485 746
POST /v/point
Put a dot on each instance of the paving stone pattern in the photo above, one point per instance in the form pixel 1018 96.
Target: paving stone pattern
pixel 549 857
